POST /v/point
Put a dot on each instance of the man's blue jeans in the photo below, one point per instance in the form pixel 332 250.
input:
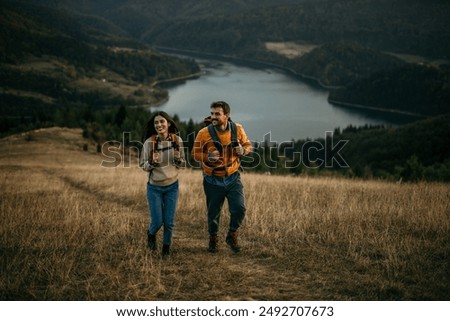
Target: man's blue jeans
pixel 162 202
pixel 215 198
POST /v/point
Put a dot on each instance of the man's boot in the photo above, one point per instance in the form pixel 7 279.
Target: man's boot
pixel 213 244
pixel 165 250
pixel 232 242
pixel 151 241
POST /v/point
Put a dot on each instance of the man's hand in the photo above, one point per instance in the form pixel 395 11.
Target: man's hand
pixel 239 150
pixel 213 156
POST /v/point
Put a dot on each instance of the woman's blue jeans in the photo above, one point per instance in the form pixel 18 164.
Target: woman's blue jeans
pixel 162 202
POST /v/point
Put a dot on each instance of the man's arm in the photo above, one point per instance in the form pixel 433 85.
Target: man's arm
pixel 198 152
pixel 244 141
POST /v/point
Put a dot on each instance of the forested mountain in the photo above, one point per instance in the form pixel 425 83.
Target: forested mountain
pixel 352 36
pixel 417 151
pixel 414 26
pixel 415 89
pixel 362 77
pixel 341 63
pixel 53 67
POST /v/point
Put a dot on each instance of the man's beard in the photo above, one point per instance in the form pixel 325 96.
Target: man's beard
pixel 217 123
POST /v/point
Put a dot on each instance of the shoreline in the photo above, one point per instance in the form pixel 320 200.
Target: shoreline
pixel 380 109
pixel 186 77
pixel 310 80
pixel 166 81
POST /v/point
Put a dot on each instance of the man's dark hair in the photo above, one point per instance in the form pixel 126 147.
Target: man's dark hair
pixel 221 104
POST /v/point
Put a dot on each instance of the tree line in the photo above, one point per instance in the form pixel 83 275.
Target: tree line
pixel 413 152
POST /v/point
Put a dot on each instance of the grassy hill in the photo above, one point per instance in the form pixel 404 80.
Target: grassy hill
pixel 74 230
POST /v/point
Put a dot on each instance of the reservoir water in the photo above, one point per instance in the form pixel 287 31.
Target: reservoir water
pixel 267 101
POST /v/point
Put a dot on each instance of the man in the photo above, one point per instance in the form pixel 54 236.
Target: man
pixel 219 147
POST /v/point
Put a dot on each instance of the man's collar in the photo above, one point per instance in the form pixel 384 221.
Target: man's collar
pixel 226 128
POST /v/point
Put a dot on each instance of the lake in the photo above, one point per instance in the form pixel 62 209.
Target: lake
pixel 267 101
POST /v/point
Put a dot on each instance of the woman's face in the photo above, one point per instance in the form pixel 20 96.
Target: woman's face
pixel 161 125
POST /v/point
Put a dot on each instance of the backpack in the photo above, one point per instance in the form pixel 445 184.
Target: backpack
pixel 218 144
pixel 155 139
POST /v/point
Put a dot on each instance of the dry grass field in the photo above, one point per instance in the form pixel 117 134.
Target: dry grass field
pixel 73 230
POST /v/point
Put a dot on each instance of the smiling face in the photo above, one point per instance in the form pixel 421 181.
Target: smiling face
pixel 218 117
pixel 161 126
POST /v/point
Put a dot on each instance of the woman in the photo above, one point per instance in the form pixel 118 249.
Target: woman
pixel 162 155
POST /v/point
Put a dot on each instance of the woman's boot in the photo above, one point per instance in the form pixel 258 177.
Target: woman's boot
pixel 166 250
pixel 151 241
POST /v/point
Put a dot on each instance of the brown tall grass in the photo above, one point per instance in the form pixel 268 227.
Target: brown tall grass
pixel 73 230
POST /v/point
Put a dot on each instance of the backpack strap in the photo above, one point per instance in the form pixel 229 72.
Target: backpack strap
pixel 174 139
pixel 215 138
pixel 154 142
pixel 219 146
pixel 234 140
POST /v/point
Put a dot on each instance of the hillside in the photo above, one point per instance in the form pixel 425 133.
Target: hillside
pixel 414 27
pixel 357 76
pixel 415 89
pixel 415 151
pixel 418 151
pixel 76 231
pixel 52 66
pixel 342 63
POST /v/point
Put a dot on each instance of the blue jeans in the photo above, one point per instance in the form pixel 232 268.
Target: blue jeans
pixel 216 194
pixel 162 202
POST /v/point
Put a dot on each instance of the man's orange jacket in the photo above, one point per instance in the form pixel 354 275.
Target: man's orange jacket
pixel 228 162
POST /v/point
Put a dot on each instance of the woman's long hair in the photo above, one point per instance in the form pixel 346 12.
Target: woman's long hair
pixel 149 129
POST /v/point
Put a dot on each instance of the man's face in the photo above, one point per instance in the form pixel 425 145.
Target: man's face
pixel 218 118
